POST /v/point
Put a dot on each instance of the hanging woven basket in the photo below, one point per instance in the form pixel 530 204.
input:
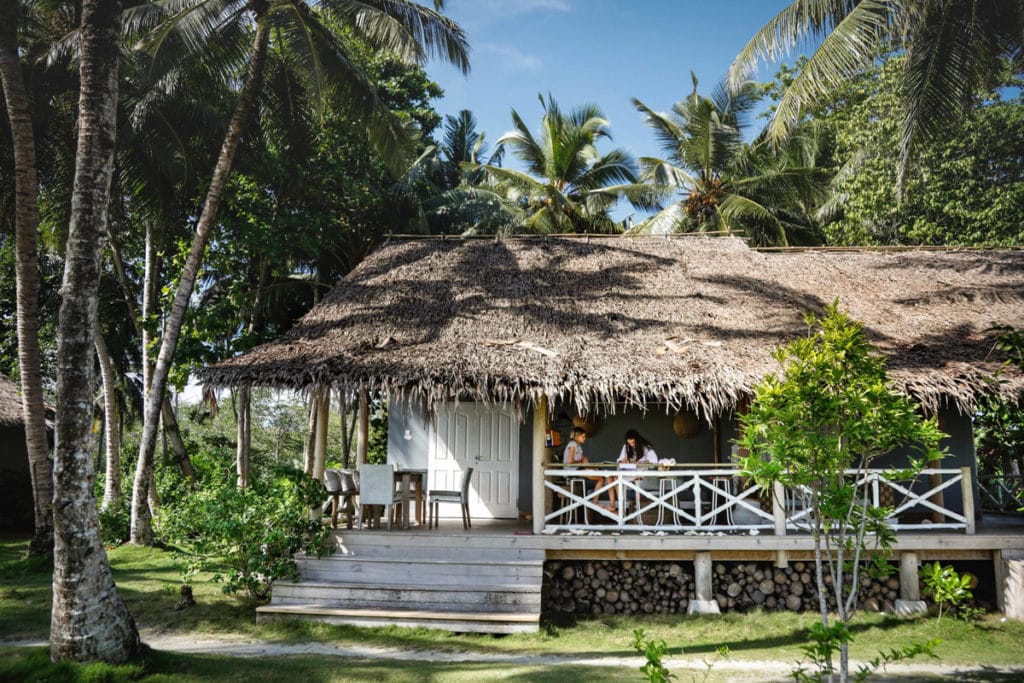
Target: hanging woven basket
pixel 587 423
pixel 686 424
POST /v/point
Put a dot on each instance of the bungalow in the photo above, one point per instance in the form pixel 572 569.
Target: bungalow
pixel 16 506
pixel 488 350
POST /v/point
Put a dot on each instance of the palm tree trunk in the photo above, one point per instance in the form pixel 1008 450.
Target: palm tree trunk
pixel 89 619
pixel 170 422
pixel 141 527
pixel 26 220
pixel 244 422
pixel 108 372
pixel 148 299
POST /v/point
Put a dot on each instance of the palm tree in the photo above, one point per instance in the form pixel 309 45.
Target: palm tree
pixel 725 183
pixel 89 619
pixel 568 186
pixel 26 224
pixel 217 30
pixel 446 191
pixel 953 47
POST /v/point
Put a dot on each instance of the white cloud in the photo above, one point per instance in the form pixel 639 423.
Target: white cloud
pixel 513 59
pixel 524 6
pixel 493 11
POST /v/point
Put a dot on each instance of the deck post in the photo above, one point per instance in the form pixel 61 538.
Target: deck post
pixel 967 493
pixel 704 599
pixel 779 507
pixel 1010 583
pixel 323 414
pixel 363 429
pixel 910 601
pixel 540 492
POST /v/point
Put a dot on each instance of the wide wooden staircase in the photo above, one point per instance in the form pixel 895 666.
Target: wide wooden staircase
pixel 456 582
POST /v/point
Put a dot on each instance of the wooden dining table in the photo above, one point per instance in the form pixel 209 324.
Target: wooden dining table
pixel 405 478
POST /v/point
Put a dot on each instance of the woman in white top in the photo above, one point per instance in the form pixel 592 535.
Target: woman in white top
pixel 637 449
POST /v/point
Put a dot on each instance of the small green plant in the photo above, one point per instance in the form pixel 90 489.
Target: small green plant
pixel 950 591
pixel 653 650
pixel 826 641
pixel 115 524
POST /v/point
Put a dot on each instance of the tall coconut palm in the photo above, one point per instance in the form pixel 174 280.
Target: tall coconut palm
pixel 89 619
pixel 568 185
pixel 954 47
pixel 217 30
pixel 445 189
pixel 26 223
pixel 725 183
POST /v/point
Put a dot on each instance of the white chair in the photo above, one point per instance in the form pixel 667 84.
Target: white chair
pixel 377 487
pixel 461 497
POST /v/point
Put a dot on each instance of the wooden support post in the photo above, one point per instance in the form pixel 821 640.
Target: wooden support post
pixel 910 601
pixel 1010 583
pixel 967 493
pixel 935 480
pixel 779 507
pixel 704 598
pixel 717 436
pixel 539 491
pixel 781 559
pixel 363 429
pixel 323 414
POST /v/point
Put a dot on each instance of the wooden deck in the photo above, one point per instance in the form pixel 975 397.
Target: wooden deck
pixel 488 578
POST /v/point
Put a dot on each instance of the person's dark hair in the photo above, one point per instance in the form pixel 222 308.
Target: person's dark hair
pixel 576 431
pixel 636 451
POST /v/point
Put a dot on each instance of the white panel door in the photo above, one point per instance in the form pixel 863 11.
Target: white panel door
pixel 486 438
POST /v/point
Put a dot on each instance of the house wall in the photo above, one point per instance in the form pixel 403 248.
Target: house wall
pixel 408 435
pixel 16 507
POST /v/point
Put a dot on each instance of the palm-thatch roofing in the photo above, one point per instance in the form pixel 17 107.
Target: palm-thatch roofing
pixel 688 321
pixel 10 404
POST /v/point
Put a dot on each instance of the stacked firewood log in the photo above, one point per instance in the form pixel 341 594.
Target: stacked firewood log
pixel 633 587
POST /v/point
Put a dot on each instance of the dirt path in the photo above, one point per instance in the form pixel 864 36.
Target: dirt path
pixel 736 669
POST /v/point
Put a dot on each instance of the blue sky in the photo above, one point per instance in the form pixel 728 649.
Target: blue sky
pixel 600 51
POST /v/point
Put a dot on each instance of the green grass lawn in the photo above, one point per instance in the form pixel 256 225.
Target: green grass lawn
pixel 148 579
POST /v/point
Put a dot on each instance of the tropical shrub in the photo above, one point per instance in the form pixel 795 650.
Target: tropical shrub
pixel 247 537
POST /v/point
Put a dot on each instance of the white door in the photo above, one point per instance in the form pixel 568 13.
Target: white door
pixel 486 438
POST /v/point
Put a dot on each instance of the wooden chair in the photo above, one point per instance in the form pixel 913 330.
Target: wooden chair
pixel 342 489
pixel 436 496
pixel 377 487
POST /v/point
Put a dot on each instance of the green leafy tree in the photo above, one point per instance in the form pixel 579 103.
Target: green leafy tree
pixel 832 410
pixel 725 183
pixel 218 32
pixel 568 185
pixel 953 48
pixel 964 188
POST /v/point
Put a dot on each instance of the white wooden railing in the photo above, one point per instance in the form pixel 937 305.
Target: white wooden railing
pixel 717 499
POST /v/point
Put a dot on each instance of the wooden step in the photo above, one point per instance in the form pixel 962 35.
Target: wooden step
pixel 447 574
pixel 475 622
pixel 499 598
pixel 471 548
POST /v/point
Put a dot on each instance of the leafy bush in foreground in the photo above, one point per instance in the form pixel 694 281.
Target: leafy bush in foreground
pixel 247 537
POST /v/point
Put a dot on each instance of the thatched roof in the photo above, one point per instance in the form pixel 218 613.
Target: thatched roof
pixel 10 403
pixel 685 321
